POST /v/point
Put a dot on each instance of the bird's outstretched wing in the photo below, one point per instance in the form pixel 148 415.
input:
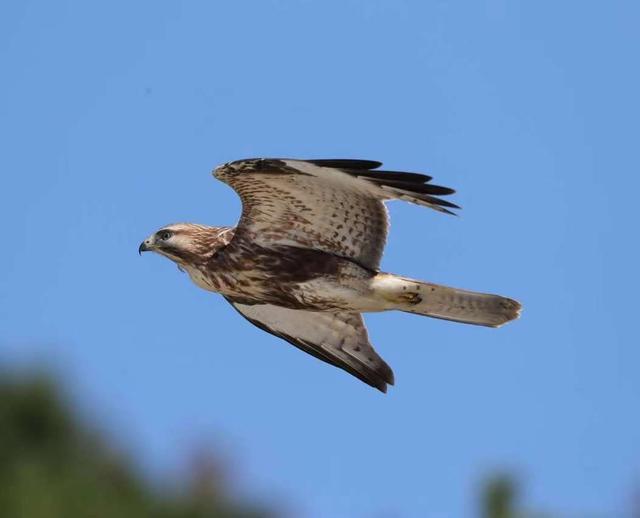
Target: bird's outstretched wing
pixel 331 205
pixel 339 339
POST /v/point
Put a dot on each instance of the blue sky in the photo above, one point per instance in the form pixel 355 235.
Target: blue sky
pixel 112 115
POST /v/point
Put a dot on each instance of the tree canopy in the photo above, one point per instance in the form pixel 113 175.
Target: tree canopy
pixel 53 466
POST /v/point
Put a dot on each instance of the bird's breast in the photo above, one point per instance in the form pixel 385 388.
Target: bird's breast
pixel 204 279
pixel 230 283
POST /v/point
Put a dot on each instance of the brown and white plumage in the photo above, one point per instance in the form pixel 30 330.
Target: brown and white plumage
pixel 338 338
pixel 331 205
pixel 303 261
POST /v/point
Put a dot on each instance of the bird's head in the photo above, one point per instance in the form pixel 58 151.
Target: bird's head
pixel 186 244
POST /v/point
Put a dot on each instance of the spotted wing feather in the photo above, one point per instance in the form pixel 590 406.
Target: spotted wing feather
pixel 331 205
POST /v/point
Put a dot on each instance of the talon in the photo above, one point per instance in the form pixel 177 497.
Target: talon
pixel 412 298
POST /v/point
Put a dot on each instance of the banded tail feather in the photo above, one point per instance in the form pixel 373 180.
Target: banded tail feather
pixel 436 301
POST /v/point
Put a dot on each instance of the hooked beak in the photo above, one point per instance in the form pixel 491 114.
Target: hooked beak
pixel 145 246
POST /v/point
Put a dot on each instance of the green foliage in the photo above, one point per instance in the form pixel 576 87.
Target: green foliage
pixel 498 498
pixel 53 466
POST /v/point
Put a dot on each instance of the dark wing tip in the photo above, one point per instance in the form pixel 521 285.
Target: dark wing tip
pixel 415 186
pixel 438 190
pixel 346 163
pixel 369 169
pixel 441 203
pixel 374 381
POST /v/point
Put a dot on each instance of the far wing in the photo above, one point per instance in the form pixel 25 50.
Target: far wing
pixel 331 205
pixel 339 339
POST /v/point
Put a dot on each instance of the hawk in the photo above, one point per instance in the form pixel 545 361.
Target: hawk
pixel 303 261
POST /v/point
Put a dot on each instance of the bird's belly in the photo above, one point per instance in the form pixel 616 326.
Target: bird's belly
pixel 344 286
pixel 333 294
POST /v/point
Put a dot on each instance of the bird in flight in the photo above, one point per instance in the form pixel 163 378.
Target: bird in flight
pixel 303 261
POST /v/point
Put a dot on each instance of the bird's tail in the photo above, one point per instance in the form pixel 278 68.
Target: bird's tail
pixel 437 301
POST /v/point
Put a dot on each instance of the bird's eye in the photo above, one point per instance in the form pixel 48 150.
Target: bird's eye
pixel 164 235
